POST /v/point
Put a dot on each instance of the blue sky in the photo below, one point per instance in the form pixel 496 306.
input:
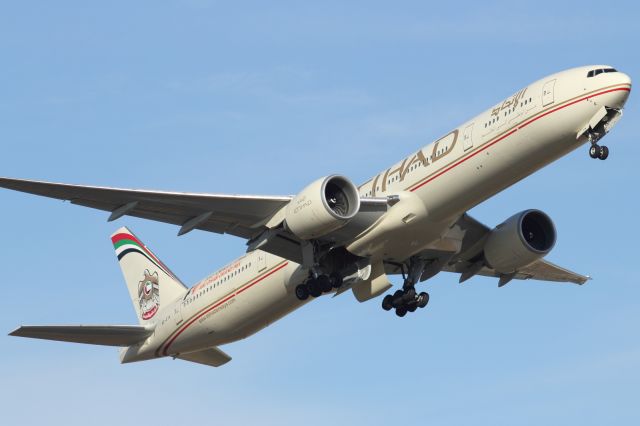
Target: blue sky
pixel 247 97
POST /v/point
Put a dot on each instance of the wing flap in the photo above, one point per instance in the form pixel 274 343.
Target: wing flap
pixel 544 270
pixel 107 335
pixel 213 357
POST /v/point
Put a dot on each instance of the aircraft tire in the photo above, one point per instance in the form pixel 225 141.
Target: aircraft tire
pixel 594 151
pixel 604 153
pixel 423 299
pixel 314 288
pixel 324 283
pixel 387 302
pixel 302 292
pixel 401 311
pixel 396 300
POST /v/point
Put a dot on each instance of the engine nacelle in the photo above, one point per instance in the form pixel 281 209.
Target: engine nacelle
pixel 322 207
pixel 519 241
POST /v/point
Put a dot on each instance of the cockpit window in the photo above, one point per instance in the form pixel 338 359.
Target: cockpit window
pixel 593 73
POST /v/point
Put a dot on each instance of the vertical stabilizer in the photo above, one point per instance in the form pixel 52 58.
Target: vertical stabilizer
pixel 150 283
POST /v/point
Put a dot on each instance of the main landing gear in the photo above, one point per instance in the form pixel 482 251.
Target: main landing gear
pixel 407 300
pixel 317 286
pixel 404 301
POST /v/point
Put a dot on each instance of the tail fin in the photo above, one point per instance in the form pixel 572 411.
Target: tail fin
pixel 151 284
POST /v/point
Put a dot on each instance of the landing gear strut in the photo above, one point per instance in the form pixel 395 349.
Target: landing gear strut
pixel 406 300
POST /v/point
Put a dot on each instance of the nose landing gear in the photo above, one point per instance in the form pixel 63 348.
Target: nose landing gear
pixel 595 150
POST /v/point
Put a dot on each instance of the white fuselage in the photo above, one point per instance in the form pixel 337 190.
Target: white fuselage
pixel 483 156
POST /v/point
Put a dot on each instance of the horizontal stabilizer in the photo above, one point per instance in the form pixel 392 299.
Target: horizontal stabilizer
pixel 108 335
pixel 212 356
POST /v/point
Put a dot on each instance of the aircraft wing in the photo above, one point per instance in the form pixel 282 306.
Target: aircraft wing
pixel 469 260
pixel 240 215
pixel 475 234
pixel 108 335
pixel 243 216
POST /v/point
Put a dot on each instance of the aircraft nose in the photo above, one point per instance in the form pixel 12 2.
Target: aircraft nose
pixel 624 79
pixel 623 95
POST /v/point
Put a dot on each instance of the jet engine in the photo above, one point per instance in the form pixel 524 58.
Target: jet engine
pixel 322 207
pixel 519 241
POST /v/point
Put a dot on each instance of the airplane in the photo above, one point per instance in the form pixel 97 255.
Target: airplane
pixel 333 236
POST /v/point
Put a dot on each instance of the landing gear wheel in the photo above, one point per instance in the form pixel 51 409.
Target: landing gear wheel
pixel 396 299
pixel 302 292
pixel 423 299
pixel 387 302
pixel 412 306
pixel 401 311
pixel 595 151
pixel 314 288
pixel 604 153
pixel 324 283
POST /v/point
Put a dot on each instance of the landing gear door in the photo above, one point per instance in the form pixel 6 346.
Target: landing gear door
pixel 547 93
pixel 467 140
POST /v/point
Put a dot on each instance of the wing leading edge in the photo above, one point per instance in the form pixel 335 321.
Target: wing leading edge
pixel 240 215
pixel 244 216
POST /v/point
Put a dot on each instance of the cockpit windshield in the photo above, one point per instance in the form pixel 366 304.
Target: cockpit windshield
pixel 593 73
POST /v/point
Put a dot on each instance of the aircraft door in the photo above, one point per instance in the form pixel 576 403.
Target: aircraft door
pixel 467 137
pixel 261 260
pixel 547 93
pixel 177 312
